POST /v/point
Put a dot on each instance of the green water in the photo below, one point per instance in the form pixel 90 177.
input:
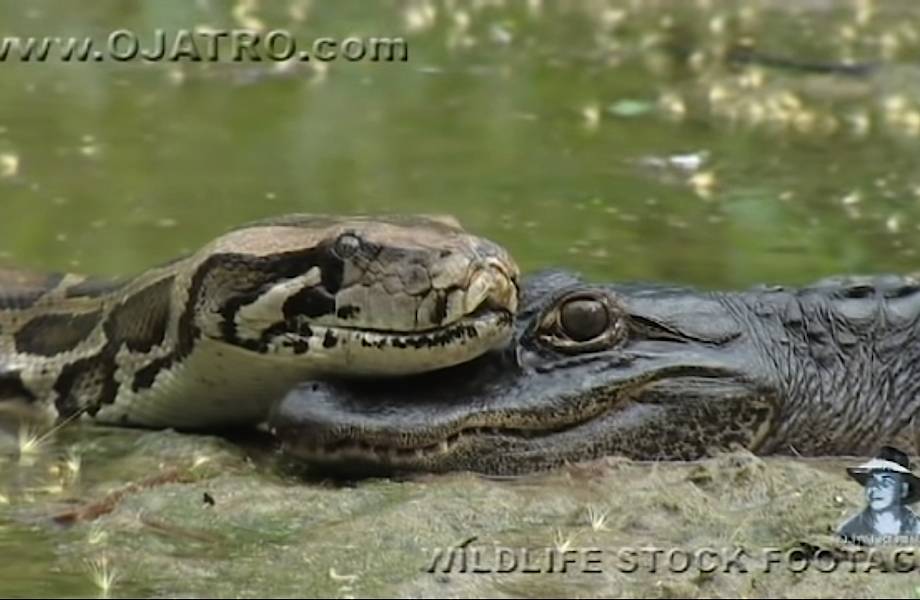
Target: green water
pixel 542 125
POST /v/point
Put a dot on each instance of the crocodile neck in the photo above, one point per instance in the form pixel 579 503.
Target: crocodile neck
pixel 843 359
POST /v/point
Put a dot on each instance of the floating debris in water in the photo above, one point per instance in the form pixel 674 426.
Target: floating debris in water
pixel 629 108
pixel 682 163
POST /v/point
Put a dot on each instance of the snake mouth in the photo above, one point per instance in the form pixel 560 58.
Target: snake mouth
pixel 361 351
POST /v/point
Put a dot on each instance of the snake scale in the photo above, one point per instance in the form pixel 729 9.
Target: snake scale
pixel 213 338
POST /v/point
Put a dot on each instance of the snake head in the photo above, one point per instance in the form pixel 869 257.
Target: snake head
pixel 386 295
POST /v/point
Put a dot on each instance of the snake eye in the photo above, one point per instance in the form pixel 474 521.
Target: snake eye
pixel 584 319
pixel 347 245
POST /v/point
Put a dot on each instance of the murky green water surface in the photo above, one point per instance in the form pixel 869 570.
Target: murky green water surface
pixel 611 137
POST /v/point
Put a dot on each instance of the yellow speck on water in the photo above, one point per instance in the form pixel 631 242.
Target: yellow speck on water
pixel 166 223
pixel 865 9
pixel 893 224
pixel 9 164
pixel 847 32
pixel 890 44
pixel 703 183
pixel 851 199
pixel 205 29
pixel 612 17
pixel 320 71
pixel 298 11
pixel 175 75
pixel 461 20
pixel 535 7
pixel 672 104
pixel 4 499
pixel 804 121
pixel 718 94
pixel 860 122
pixel 243 14
pixel 420 16
pixel 591 115
pixel 911 121
pixel 752 78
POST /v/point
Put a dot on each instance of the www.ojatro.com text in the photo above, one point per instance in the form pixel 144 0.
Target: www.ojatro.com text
pixel 202 45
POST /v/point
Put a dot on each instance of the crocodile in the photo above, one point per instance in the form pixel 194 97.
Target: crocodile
pixel 643 371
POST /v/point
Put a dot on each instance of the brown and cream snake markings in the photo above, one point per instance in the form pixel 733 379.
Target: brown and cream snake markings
pixel 214 338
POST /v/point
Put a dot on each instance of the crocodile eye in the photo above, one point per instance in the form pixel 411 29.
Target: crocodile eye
pixel 582 322
pixel 584 319
pixel 347 245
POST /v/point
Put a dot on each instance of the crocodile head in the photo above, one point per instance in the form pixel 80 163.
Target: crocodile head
pixel 647 372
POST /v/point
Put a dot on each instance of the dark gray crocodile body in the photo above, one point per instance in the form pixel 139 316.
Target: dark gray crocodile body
pixel 651 372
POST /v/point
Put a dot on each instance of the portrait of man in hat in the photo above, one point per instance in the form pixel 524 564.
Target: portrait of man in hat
pixel 890 487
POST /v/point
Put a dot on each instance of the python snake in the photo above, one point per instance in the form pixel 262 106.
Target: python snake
pixel 213 338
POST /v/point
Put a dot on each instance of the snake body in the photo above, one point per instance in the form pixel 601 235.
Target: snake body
pixel 213 338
